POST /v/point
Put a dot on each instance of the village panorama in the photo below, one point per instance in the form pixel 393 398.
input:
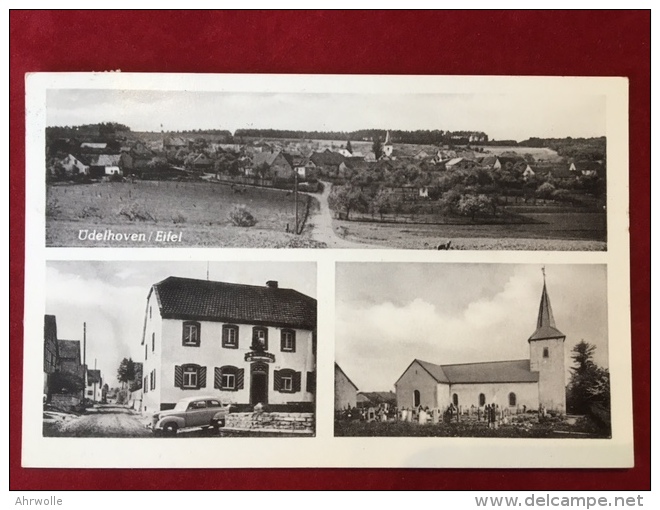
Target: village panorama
pixel 378 188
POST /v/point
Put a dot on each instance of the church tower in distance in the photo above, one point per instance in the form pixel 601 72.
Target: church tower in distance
pixel 546 352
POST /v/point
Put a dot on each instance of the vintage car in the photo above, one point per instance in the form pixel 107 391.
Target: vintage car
pixel 190 412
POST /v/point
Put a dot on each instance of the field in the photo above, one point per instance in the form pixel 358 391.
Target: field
pixel 539 153
pixel 197 211
pixel 566 231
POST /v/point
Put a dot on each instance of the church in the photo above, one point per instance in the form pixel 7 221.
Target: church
pixel 513 384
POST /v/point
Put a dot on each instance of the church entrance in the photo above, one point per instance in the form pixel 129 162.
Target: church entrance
pixel 258 383
pixel 417 398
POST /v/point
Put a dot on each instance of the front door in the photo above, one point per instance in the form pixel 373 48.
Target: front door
pixel 259 384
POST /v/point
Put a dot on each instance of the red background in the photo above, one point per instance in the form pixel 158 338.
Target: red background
pixel 582 43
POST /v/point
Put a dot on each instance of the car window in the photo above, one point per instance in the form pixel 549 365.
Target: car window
pixel 213 403
pixel 197 405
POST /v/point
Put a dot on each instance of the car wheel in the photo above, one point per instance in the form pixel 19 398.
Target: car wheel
pixel 170 429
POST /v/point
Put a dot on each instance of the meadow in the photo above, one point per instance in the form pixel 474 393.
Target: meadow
pixel 565 231
pixel 199 211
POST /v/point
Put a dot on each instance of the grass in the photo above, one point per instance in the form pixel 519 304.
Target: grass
pixel 199 210
pixel 565 231
pixel 550 429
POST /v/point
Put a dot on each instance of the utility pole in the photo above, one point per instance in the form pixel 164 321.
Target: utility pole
pixel 295 194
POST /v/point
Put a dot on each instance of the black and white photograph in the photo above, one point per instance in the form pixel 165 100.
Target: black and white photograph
pixel 434 170
pixel 179 349
pixel 472 350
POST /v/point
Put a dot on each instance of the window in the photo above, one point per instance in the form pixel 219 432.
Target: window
pixel 454 399
pixel 286 381
pixel 150 312
pixel 213 403
pixel 546 352
pixel 260 339
pixel 199 404
pixel 417 397
pixel 152 375
pixel 144 385
pixel 512 399
pixel 191 333
pixel 288 340
pixel 228 378
pixel 482 399
pixel 90 392
pixel 230 336
pixel 145 351
pixel 153 342
pixel 189 376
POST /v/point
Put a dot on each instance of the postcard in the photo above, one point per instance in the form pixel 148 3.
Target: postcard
pixel 326 271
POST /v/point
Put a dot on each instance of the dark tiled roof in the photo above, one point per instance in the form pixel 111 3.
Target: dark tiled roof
pixel 93 376
pixel 185 298
pixel 545 323
pixel 488 372
pixel 327 157
pixel 377 397
pixel 69 349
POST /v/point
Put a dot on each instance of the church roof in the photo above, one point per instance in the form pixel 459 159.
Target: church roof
pixel 486 372
pixel 545 324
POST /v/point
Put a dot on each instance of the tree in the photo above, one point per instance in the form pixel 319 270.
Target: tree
pixel 377 148
pixel 346 198
pixel 380 203
pixel 349 147
pixel 545 190
pixel 471 205
pixel 588 391
pixel 126 371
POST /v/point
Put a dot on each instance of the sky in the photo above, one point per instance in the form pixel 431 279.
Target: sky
pixel 111 298
pixel 501 116
pixel 388 314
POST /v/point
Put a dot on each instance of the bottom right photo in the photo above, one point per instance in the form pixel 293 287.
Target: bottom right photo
pixel 472 350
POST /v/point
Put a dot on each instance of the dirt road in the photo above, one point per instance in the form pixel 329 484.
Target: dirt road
pixel 324 230
pixel 102 421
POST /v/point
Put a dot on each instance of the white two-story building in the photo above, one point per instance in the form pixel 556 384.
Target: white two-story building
pixel 246 344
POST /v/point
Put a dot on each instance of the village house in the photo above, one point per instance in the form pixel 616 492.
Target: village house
pixel 247 344
pixel 51 354
pixel 513 385
pixel 104 165
pixel 199 162
pixel 75 165
pixel 304 167
pixel 94 385
pixel 328 161
pixel 587 168
pixel 278 163
pixel 345 390
pixel 376 398
pixel 72 372
pixel 460 164
pixel 175 143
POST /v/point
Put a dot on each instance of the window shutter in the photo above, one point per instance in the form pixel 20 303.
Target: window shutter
pixel 217 378
pixel 178 376
pixel 240 376
pixel 311 382
pixel 296 382
pixel 201 377
pixel 277 380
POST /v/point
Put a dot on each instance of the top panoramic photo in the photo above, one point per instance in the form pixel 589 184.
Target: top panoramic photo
pixel 252 169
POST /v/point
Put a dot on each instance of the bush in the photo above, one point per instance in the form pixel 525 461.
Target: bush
pixel 179 218
pixel 241 217
pixel 137 212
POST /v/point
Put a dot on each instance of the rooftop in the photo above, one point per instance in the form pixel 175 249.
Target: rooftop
pixel 186 298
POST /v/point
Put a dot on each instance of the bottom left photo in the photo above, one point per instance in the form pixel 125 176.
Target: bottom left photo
pixel 179 349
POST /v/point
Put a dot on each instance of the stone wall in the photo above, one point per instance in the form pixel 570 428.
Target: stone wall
pixel 303 422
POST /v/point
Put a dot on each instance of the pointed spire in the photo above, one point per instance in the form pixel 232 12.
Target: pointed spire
pixel 545 323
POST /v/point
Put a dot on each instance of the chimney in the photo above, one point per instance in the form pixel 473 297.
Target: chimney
pixel 271 284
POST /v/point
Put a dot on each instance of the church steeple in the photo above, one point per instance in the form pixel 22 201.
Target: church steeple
pixel 545 323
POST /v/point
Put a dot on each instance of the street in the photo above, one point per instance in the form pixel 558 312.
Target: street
pixel 109 420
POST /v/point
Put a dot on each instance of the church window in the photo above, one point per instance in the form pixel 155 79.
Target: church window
pixel 416 398
pixel 512 399
pixel 454 399
pixel 482 399
pixel 546 352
